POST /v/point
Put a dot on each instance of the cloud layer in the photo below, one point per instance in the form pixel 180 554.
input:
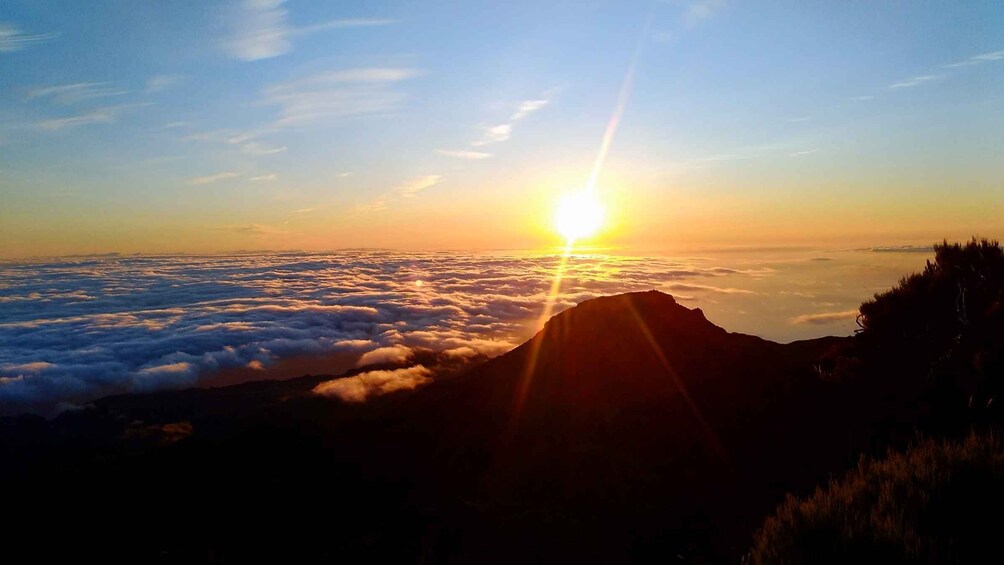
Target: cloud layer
pixel 79 329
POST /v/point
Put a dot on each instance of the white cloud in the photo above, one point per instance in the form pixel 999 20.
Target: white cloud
pixel 528 107
pixel 98 116
pixel 915 81
pixel 494 134
pixel 994 56
pixel 343 24
pixel 393 354
pixel 803 153
pixel 213 178
pixel 264 178
pixel 409 189
pixel 76 92
pixel 89 118
pixel 361 387
pixel 162 82
pixel 261 30
pixel 502 132
pixel 255 148
pixel 701 10
pixel 13 39
pixel 462 154
pixel 977 60
pixel 338 94
pixel 365 75
pixel 405 190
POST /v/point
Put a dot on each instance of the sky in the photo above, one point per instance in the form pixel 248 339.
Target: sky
pixel 198 127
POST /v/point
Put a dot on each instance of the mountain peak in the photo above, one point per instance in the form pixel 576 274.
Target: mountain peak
pixel 629 315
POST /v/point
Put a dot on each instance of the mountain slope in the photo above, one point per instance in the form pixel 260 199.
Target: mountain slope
pixel 629 425
pixel 637 407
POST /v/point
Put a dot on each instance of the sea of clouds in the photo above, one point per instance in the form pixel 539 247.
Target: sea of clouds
pixel 73 330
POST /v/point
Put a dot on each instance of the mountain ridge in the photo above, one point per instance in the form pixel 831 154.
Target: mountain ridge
pixel 629 423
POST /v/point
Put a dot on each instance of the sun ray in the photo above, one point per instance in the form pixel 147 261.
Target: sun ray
pixel 579 215
pixel 678 383
pixel 523 385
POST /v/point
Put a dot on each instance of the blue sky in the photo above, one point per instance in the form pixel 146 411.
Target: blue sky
pixel 209 126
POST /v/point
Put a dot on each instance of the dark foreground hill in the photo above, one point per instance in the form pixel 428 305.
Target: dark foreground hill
pixel 630 427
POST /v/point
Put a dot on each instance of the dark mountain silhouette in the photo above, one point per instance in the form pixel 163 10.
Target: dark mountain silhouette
pixel 629 426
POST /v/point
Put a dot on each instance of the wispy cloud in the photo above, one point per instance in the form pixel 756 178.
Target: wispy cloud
pixel 254 229
pixel 977 60
pixel 261 29
pixel 824 318
pixel 915 81
pixel 803 153
pixel 528 107
pixel 76 92
pixel 162 82
pixel 336 94
pixel 461 154
pixel 89 118
pixel 264 178
pixel 409 189
pixel 343 24
pixel 13 39
pixel 694 287
pixel 98 116
pixel 208 179
pixel 861 98
pixel 406 190
pixel 255 148
pixel 494 134
pixel 502 132
pixel 700 11
pixel 226 136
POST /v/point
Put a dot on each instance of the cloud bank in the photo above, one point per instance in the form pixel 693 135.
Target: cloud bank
pixel 77 329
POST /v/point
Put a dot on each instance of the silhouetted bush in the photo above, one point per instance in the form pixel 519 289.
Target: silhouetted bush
pixel 932 312
pixel 935 342
pixel 940 502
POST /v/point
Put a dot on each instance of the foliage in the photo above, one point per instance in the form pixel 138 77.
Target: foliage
pixel 933 311
pixel 935 341
pixel 937 503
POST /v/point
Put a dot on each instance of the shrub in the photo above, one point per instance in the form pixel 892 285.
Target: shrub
pixel 940 502
pixel 929 314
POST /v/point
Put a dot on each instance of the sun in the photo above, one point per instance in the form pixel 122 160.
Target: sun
pixel 578 215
